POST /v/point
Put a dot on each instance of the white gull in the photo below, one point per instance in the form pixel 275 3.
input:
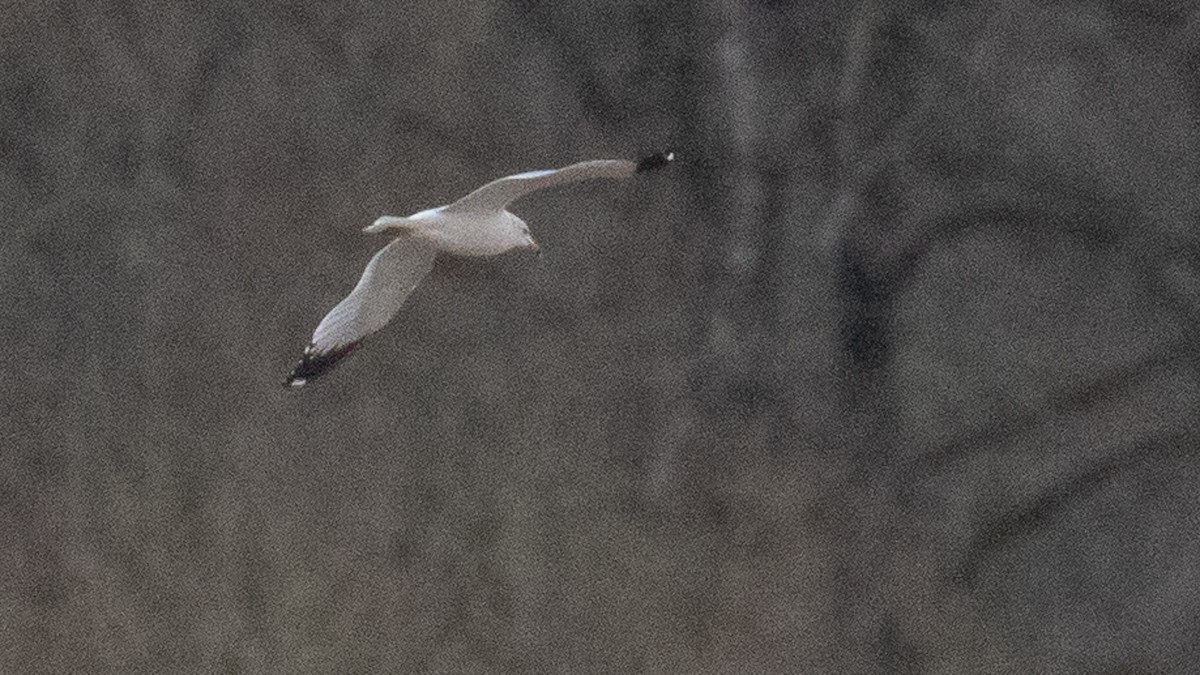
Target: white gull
pixel 476 225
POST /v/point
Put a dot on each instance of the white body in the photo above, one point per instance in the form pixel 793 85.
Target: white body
pixel 467 233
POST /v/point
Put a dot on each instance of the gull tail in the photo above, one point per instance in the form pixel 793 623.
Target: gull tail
pixel 314 363
pixel 655 161
pixel 385 223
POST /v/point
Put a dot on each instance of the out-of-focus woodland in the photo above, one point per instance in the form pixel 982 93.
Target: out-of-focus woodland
pixel 894 371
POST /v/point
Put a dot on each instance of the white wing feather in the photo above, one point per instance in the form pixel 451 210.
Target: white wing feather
pixel 386 283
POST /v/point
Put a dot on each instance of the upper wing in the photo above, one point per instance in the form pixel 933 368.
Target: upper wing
pixel 390 277
pixel 497 194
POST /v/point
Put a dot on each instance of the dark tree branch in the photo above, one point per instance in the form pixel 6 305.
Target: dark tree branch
pixel 1040 511
pixel 575 65
pixel 1060 402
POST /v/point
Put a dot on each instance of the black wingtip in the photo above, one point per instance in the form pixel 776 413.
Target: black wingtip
pixel 655 161
pixel 314 363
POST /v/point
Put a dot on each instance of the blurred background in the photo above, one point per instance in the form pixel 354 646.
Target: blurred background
pixel 895 370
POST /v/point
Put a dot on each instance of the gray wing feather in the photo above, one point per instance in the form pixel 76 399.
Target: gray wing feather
pixel 498 194
pixel 386 283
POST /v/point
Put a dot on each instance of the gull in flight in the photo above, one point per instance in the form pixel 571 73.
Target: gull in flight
pixel 476 225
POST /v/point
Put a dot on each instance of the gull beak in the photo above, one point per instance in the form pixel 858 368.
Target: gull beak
pixel 533 246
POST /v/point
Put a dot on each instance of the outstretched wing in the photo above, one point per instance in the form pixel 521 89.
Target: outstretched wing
pixel 498 194
pixel 388 280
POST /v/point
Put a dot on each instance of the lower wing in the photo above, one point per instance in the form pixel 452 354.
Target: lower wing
pixel 386 283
